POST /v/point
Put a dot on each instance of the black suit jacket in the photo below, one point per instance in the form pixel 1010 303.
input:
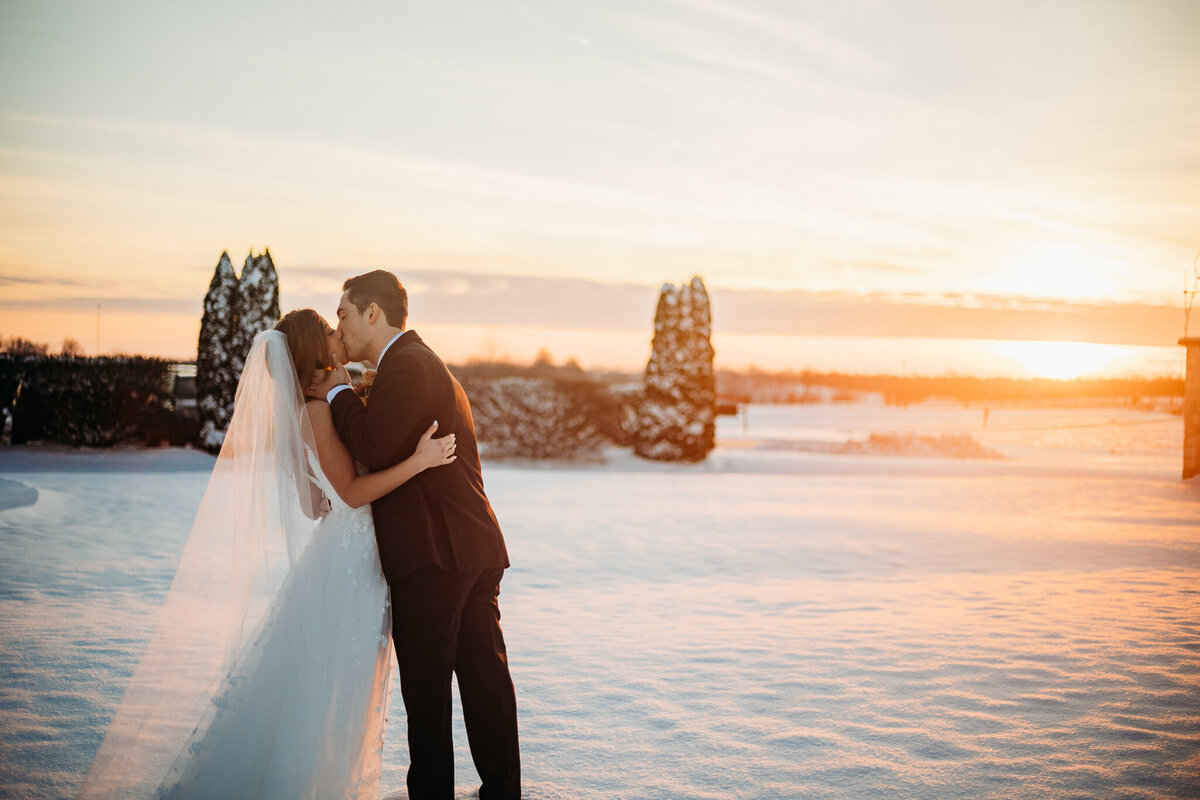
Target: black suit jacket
pixel 442 515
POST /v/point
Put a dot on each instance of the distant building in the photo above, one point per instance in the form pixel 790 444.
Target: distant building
pixel 185 410
pixel 1191 409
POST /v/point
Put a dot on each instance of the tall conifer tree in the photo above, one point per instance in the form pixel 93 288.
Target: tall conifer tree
pixel 258 307
pixel 235 311
pixel 676 420
pixel 215 381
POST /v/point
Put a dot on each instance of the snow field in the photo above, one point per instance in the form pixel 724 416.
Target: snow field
pixel 772 623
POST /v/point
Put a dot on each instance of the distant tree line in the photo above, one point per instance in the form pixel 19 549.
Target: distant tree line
pixel 761 386
pixel 20 346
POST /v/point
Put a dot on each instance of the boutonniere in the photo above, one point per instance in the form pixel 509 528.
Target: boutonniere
pixel 363 387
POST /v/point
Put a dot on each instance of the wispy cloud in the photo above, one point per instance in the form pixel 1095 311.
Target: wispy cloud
pixel 171 306
pixel 450 297
pixel 836 51
pixel 30 278
pixel 945 316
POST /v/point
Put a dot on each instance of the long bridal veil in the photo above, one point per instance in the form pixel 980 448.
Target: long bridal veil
pixel 256 517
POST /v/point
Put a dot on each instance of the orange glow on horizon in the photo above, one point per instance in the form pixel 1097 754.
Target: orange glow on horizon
pixel 173 336
pixel 1062 360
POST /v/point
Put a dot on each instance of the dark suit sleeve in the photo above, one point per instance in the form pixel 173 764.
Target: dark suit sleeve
pixel 385 431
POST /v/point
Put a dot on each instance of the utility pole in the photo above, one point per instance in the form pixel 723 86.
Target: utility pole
pixel 97 329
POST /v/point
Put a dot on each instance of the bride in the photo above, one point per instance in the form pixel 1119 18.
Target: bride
pixel 268 672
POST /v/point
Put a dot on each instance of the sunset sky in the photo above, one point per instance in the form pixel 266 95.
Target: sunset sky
pixel 915 186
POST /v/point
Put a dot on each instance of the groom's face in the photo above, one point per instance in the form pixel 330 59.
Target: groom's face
pixel 355 330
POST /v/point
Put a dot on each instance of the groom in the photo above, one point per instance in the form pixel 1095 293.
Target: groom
pixel 441 547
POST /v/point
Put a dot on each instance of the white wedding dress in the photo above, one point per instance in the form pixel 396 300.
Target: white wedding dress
pixel 268 672
pixel 302 713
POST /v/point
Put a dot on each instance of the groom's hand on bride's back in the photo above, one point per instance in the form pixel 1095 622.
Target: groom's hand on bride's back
pixel 325 379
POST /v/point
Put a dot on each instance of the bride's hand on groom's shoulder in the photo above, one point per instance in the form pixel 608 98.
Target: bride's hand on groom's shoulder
pixel 324 380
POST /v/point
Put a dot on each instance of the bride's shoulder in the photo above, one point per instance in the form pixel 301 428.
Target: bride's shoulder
pixel 321 421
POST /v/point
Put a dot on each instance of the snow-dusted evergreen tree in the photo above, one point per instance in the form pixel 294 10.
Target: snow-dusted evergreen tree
pixel 235 311
pixel 258 306
pixel 216 381
pixel 676 420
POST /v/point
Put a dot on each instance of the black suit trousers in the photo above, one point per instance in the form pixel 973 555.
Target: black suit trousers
pixel 444 623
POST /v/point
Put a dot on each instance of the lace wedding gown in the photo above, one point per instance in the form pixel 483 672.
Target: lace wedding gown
pixel 301 713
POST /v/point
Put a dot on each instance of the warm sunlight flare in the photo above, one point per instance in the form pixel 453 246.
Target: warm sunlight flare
pixel 1059 269
pixel 1061 360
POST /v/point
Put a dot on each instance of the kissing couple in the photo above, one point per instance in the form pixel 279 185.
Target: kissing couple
pixel 268 671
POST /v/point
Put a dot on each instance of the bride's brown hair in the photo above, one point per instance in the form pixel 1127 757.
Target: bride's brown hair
pixel 306 336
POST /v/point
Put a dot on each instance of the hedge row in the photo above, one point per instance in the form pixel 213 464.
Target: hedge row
pixel 540 417
pixel 96 402
pixel 99 402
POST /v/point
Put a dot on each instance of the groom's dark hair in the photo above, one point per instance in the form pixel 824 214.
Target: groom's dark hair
pixel 382 288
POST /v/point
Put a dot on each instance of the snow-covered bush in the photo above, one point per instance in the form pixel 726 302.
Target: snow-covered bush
pixel 621 417
pixel 677 417
pixel 949 445
pixel 96 402
pixel 518 416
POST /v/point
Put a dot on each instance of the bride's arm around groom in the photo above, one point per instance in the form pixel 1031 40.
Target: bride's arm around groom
pixel 442 516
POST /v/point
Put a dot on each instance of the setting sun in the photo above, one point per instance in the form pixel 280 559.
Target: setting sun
pixel 1061 360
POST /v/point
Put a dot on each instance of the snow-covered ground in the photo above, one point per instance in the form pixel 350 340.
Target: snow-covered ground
pixel 781 621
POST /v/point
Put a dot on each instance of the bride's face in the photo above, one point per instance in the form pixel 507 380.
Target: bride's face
pixel 336 346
